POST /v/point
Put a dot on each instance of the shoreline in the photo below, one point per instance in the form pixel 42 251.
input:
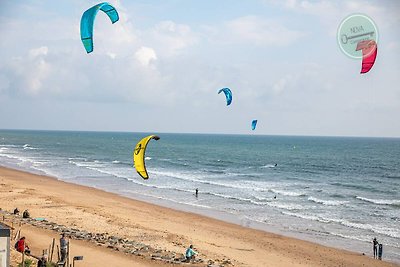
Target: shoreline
pixel 320 238
pixel 163 227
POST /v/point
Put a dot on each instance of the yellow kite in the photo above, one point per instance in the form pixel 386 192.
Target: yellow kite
pixel 138 155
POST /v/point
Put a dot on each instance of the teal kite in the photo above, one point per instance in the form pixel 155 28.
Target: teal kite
pixel 253 124
pixel 228 95
pixel 87 22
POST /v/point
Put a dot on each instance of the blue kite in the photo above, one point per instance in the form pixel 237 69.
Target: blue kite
pixel 253 124
pixel 87 22
pixel 228 95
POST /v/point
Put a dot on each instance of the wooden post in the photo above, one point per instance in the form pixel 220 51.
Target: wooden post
pixel 68 253
pixel 17 235
pixel 58 254
pixel 52 249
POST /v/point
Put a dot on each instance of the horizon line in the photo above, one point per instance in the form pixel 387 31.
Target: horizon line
pixel 200 133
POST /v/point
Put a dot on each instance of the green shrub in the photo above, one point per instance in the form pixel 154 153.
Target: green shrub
pixel 28 263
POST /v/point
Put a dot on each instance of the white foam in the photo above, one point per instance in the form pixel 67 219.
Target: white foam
pixel 9 146
pixel 380 201
pixel 268 166
pixel 353 237
pixel 384 230
pixel 174 200
pixel 307 216
pixel 287 193
pixel 77 158
pixel 237 198
pixel 27 146
pixel 287 206
pixel 328 202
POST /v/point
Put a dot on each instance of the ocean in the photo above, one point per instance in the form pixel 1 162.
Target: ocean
pixel 336 191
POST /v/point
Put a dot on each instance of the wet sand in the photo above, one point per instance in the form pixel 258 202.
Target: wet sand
pixel 159 235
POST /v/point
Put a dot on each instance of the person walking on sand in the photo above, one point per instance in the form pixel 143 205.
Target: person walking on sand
pixel 63 247
pixel 190 253
pixel 375 247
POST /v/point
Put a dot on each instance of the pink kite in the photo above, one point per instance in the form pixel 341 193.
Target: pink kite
pixel 369 50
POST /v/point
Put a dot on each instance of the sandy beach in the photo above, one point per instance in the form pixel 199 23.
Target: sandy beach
pixel 158 230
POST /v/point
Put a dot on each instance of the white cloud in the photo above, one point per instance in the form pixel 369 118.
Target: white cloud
pixel 317 8
pixel 30 72
pixel 258 31
pixel 282 83
pixel 290 3
pixel 171 37
pixel 41 51
pixel 393 46
pixel 332 12
pixel 146 55
pixel 117 38
pixel 112 55
pixel 4 83
pixel 173 71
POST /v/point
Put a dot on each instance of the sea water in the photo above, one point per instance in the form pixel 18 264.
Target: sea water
pixel 337 191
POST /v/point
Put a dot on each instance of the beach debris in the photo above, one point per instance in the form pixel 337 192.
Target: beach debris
pixel 87 22
pixel 139 155
pixel 228 95
pixel 116 243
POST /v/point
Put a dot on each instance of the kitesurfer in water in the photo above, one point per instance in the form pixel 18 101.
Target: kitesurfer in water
pixel 197 192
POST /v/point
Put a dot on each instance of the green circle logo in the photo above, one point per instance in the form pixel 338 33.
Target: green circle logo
pixel 353 30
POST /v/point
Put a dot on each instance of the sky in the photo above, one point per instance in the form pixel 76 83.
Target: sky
pixel 159 68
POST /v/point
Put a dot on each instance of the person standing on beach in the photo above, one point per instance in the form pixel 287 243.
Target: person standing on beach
pixel 63 247
pixel 380 251
pixel 375 247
